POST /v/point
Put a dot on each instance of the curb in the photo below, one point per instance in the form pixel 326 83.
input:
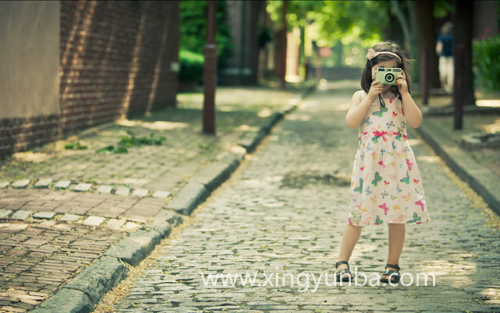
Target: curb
pixel 479 178
pixel 88 287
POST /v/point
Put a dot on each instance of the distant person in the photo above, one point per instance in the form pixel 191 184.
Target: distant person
pixel 386 186
pixel 444 48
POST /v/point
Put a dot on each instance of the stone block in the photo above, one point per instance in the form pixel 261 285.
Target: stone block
pixel 23 183
pixel 44 215
pixel 94 221
pixel 134 248
pixel 43 183
pixel 5 213
pixel 140 192
pixel 99 278
pixel 188 198
pixel 62 184
pixel 66 300
pixel 105 189
pixel 122 191
pixel 82 187
pixel 21 214
pixel 70 217
pixel 161 194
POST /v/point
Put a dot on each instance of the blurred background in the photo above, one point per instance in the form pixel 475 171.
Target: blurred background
pixel 67 66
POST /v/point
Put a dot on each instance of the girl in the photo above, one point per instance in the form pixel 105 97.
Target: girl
pixel 386 187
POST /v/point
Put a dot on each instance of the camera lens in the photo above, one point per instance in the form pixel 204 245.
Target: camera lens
pixel 389 77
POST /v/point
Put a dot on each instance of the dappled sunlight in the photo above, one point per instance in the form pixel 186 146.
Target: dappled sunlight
pixel 308 103
pixel 265 113
pixel 428 159
pixel 159 125
pixel 414 142
pixel 134 64
pixel 164 125
pixel 224 108
pixel 488 103
pixel 248 128
pixel 31 157
pixel 492 128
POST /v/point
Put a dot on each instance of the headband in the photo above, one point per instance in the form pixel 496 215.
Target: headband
pixel 371 54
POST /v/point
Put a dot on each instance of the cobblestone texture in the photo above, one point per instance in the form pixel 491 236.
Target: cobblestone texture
pixel 286 213
pixel 28 246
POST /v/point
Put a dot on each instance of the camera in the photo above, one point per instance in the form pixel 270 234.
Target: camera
pixel 387 76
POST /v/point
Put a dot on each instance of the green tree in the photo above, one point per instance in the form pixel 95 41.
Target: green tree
pixel 193 29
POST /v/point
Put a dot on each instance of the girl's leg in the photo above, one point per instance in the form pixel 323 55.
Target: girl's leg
pixel 396 242
pixel 349 240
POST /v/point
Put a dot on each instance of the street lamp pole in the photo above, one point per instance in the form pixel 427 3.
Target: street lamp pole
pixel 209 71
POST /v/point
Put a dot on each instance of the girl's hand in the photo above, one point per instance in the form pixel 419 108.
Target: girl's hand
pixel 401 83
pixel 375 89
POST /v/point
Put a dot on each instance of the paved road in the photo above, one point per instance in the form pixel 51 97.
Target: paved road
pixel 285 213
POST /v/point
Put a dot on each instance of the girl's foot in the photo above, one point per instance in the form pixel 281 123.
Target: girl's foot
pixel 343 272
pixel 392 271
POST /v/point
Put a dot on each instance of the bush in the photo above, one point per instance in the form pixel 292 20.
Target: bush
pixel 486 60
pixel 191 66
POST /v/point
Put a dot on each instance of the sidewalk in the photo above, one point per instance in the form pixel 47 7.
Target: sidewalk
pixel 476 162
pixel 61 210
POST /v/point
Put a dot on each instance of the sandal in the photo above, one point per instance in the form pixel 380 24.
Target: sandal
pixel 342 272
pixel 395 274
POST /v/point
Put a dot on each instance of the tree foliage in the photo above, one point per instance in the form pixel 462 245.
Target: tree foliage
pixel 193 28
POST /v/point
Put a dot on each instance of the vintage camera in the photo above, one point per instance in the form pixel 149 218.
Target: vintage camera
pixel 387 76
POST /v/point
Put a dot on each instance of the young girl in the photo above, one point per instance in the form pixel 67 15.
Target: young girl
pixel 386 187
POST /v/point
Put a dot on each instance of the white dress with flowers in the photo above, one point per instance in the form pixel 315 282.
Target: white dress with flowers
pixel 386 186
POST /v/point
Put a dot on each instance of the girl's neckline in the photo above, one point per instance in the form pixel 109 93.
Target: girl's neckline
pixel 393 96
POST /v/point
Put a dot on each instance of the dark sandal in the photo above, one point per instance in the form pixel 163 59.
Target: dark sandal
pixel 395 274
pixel 343 272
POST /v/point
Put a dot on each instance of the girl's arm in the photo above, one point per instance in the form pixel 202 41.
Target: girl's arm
pixel 359 107
pixel 410 109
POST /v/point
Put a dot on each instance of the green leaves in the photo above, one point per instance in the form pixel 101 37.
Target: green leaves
pixel 129 141
pixel 74 146
pixel 487 62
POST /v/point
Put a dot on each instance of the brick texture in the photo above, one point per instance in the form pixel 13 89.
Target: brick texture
pixel 115 60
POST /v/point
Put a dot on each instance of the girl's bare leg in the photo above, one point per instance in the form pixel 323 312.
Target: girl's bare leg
pixel 396 242
pixel 349 240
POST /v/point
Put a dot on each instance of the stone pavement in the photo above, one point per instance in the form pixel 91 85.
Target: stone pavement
pixel 60 210
pixel 284 212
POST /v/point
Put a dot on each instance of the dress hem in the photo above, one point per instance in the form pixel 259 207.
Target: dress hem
pixel 367 224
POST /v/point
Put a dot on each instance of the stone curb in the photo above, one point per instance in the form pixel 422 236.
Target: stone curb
pixel 87 289
pixel 136 247
pixel 481 179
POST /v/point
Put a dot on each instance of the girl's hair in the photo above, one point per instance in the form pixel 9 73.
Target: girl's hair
pixel 404 64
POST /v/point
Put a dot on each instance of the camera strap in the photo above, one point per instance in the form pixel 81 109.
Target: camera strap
pixel 382 103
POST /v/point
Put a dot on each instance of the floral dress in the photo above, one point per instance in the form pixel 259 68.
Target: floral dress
pixel 386 186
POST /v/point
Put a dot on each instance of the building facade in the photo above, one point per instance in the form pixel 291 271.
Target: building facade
pixel 70 65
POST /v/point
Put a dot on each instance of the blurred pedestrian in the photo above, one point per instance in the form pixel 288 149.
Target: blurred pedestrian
pixel 444 48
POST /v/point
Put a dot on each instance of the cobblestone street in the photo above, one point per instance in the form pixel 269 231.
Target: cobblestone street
pixel 285 211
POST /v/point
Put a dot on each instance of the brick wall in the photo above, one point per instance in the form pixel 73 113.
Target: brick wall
pixel 115 60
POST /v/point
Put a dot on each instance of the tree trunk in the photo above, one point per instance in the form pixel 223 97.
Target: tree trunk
pixel 403 23
pixel 426 33
pixel 462 35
